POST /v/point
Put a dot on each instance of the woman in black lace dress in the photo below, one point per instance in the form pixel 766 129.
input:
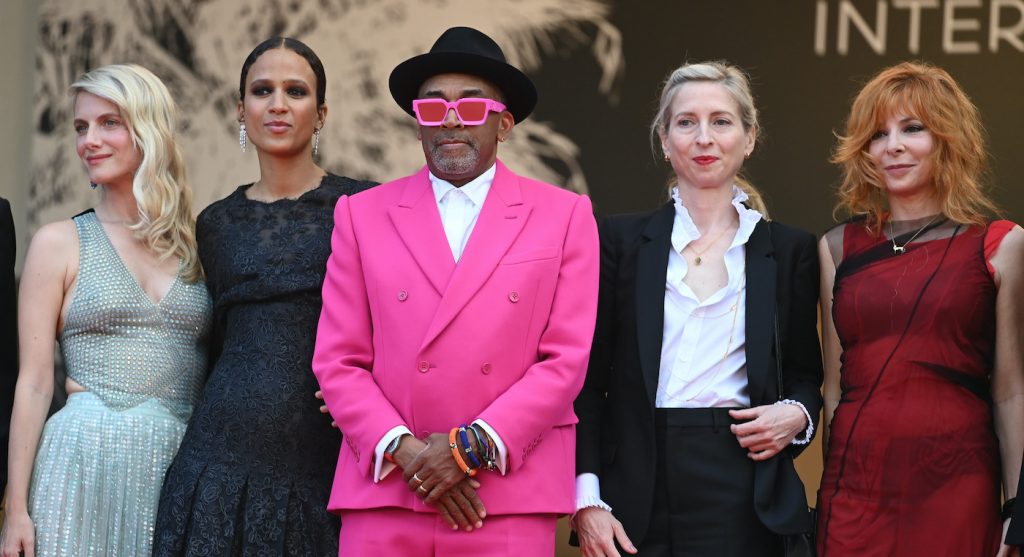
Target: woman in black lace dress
pixel 254 471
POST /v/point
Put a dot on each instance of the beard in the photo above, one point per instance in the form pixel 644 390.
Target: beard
pixel 451 163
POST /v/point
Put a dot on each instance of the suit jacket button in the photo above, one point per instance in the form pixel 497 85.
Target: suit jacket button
pixel 486 368
pixel 513 296
pixel 424 366
pixel 402 295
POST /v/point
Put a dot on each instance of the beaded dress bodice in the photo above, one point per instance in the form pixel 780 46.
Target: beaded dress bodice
pixel 123 347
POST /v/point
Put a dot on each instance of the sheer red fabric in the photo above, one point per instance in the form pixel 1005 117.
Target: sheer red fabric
pixel 913 460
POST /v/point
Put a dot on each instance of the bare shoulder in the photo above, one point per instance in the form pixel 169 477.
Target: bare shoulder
pixel 54 248
pixel 60 235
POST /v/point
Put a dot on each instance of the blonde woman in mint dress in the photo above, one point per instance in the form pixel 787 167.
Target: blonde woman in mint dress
pixel 120 287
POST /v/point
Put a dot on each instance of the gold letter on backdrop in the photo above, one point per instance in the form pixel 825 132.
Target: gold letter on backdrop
pixel 914 27
pixel 848 14
pixel 1011 35
pixel 950 25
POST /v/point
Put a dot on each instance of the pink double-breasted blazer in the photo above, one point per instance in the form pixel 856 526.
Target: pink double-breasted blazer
pixel 407 336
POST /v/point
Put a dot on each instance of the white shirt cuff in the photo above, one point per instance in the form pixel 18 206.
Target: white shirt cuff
pixel 588 492
pixel 498 444
pixel 381 467
pixel 809 432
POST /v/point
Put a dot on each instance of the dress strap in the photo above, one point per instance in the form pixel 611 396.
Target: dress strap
pixel 994 234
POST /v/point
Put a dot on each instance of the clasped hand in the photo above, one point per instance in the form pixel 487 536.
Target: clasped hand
pixel 431 472
pixel 771 428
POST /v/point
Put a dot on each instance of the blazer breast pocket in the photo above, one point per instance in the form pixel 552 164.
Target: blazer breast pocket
pixel 539 254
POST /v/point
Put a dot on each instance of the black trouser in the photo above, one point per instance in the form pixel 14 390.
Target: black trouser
pixel 704 489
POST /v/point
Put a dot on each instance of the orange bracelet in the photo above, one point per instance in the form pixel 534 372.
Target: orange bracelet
pixel 457 454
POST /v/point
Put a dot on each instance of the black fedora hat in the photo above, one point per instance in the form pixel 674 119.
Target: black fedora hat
pixel 464 50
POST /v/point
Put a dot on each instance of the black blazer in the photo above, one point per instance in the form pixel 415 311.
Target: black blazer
pixel 8 331
pixel 615 434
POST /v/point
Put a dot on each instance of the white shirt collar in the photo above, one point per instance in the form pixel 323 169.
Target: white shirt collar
pixel 476 189
pixel 687 231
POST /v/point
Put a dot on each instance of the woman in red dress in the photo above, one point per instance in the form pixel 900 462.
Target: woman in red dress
pixel 921 316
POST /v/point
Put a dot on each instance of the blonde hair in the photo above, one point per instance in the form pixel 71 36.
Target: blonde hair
pixel 959 158
pixel 166 223
pixel 737 84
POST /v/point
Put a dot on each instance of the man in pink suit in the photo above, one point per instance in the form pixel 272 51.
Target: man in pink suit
pixel 458 312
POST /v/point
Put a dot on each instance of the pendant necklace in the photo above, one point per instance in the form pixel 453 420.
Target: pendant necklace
pixel 698 258
pixel 901 249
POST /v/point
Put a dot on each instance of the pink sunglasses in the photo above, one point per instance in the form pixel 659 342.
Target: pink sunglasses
pixel 470 111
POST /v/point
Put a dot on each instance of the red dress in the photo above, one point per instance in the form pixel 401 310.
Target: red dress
pixel 913 460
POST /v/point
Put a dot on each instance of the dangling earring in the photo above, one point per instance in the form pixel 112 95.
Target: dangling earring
pixel 316 142
pixel 242 136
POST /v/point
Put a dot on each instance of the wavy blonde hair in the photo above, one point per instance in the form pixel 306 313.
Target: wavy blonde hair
pixel 166 223
pixel 737 84
pixel 959 158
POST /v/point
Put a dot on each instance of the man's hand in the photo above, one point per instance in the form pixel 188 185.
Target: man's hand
pixel 461 507
pixel 435 469
pixel 457 500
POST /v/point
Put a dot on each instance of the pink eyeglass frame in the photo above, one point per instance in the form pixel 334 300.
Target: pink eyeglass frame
pixel 490 105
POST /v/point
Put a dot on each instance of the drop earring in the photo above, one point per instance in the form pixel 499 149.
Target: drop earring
pixel 242 136
pixel 316 142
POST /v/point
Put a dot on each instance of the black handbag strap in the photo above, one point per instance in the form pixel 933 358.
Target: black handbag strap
pixel 778 342
pixel 778 353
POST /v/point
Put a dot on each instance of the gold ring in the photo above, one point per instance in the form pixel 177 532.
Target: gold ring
pixel 422 489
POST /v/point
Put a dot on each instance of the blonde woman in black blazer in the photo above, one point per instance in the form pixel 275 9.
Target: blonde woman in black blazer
pixel 703 465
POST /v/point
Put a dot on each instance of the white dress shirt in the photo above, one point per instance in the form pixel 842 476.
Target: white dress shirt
pixel 459 208
pixel 703 357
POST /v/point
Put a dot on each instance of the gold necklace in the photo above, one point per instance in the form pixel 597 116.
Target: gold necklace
pixel 901 249
pixel 700 254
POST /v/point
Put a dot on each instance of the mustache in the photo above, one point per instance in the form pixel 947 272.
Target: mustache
pixel 453 135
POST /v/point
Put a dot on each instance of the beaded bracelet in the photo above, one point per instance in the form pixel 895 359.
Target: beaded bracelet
pixel 467 447
pixel 457 454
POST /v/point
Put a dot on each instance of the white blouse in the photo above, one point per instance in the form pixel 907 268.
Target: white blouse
pixel 703 358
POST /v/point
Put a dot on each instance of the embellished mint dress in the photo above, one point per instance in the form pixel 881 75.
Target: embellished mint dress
pixel 102 458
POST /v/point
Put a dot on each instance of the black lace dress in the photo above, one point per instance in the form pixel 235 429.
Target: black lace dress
pixel 254 471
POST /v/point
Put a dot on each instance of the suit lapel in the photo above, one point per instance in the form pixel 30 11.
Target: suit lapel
pixel 652 266
pixel 419 225
pixel 760 309
pixel 501 220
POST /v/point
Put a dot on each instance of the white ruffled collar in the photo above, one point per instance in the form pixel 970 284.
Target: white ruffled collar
pixel 688 232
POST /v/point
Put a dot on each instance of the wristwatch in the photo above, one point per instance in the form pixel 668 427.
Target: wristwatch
pixel 389 451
